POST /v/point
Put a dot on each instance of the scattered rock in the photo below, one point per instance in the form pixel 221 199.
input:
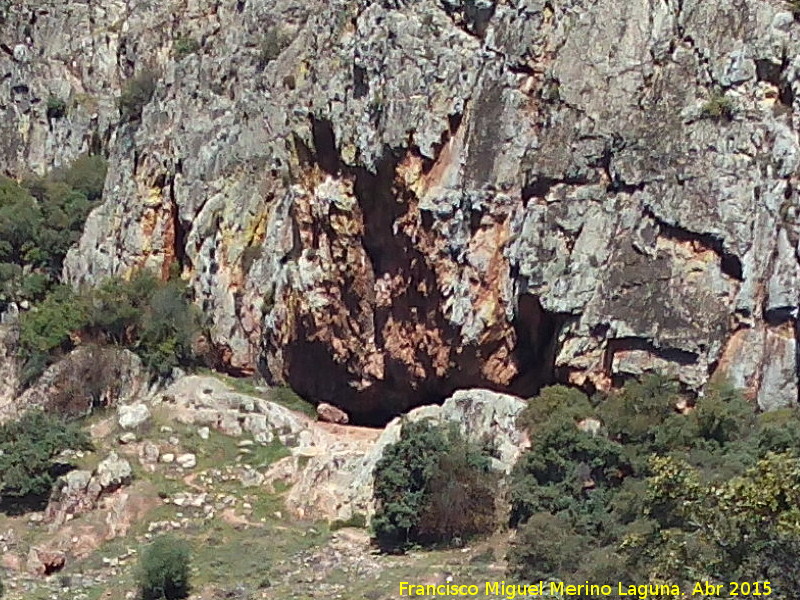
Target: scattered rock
pixel 250 477
pixel 113 472
pixel 204 433
pixel 132 416
pixel 149 453
pixel 167 458
pixel 187 461
pixel 79 491
pixel 127 438
pixel 330 414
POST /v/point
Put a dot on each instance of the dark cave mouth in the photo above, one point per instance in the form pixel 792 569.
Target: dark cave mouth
pixel 316 377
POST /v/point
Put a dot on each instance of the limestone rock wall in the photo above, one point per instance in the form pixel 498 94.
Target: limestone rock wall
pixel 381 202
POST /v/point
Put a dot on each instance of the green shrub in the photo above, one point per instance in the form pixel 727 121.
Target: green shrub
pixel 273 44
pixel 546 547
pixel 40 221
pixel 718 107
pixel 568 471
pixel 663 491
pixel 56 108
pixel 47 332
pixel 555 401
pixel 87 174
pixel 20 222
pixel 635 414
pixel 184 46
pixel 154 319
pixel 164 570
pixel 136 93
pixel 29 447
pixel 432 486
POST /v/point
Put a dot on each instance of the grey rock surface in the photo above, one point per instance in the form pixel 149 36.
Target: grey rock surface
pixel 113 472
pixel 79 491
pixel 390 201
pixel 131 416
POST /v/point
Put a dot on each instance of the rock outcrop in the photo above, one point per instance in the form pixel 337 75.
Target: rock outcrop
pixel 79 491
pixel 333 478
pixel 88 377
pixel 380 203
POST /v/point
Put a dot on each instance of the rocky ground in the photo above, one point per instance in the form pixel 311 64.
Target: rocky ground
pixel 257 499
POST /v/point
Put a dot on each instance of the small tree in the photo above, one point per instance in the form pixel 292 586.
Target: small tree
pixel 164 570
pixel 28 448
pixel 432 486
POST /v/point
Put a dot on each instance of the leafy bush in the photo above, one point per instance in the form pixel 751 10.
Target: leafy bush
pixel 545 545
pixel 39 222
pixel 152 318
pixel 184 46
pixel 432 486
pixel 56 108
pixel 47 332
pixel 568 471
pixel 164 570
pixel 136 93
pixel 29 447
pixel 718 107
pixel 673 490
pixel 87 175
pixel 555 402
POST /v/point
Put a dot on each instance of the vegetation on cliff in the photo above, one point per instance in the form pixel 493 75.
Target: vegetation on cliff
pixel 40 219
pixel 153 318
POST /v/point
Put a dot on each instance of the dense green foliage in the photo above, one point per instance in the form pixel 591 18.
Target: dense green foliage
pixel 153 318
pixel 39 221
pixel 28 449
pixel 184 46
pixel 164 570
pixel 657 490
pixel 56 108
pixel 136 94
pixel 432 487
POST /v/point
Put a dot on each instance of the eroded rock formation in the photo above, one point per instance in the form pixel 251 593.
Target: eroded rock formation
pixel 381 202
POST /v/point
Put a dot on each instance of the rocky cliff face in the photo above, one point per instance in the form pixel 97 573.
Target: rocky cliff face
pixel 380 202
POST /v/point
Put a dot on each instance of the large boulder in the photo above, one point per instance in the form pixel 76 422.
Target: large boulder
pixel 113 472
pixel 330 414
pixel 132 416
pixel 88 376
